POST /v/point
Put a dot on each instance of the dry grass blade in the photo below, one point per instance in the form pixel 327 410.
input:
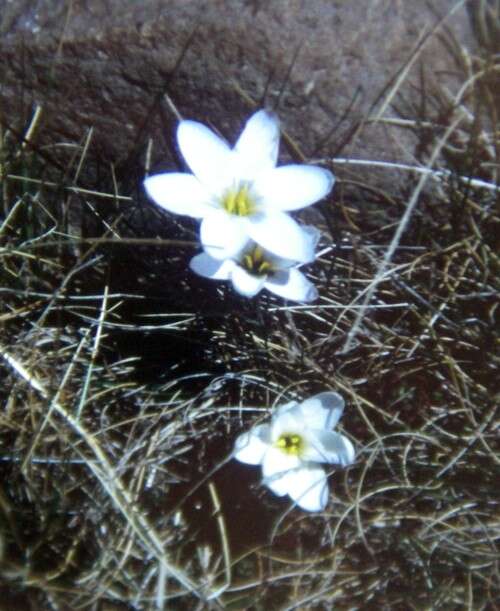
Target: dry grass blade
pixel 127 378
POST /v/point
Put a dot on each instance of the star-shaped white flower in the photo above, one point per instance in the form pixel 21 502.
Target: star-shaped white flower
pixel 291 448
pixel 239 193
pixel 255 268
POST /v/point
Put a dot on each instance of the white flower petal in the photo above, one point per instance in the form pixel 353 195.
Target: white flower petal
pixel 208 156
pixel 283 409
pixel 349 452
pixel 279 483
pixel 323 410
pixel 257 147
pixel 287 422
pixel 278 469
pixel 279 263
pixel 308 488
pixel 291 284
pixel 291 187
pixel 208 267
pixel 251 447
pixel 314 234
pixel 281 235
pixel 223 236
pixel 178 193
pixel 329 447
pixel 246 284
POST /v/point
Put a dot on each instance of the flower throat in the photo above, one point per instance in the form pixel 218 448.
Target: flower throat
pixel 238 201
pixel 291 444
pixel 255 263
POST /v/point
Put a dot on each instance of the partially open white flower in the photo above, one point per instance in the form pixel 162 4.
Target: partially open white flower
pixel 239 193
pixel 291 448
pixel 255 268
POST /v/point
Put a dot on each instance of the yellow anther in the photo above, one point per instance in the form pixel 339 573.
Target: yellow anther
pixel 264 268
pixel 248 262
pixel 255 263
pixel 291 443
pixel 258 254
pixel 239 201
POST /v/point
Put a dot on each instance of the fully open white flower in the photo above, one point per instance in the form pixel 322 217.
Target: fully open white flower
pixel 255 268
pixel 239 193
pixel 291 448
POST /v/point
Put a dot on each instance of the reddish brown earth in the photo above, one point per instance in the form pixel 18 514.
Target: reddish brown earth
pixel 325 64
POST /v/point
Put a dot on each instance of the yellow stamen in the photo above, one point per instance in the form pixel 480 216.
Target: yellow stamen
pixel 291 443
pixel 255 263
pixel 239 202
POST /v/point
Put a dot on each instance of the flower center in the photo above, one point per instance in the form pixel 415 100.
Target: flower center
pixel 238 201
pixel 255 263
pixel 291 444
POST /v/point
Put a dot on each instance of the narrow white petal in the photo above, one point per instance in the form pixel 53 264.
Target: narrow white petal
pixel 280 482
pixel 246 284
pixel 281 235
pixel 322 411
pixel 208 267
pixel 222 236
pixel 292 284
pixel 329 447
pixel 349 454
pixel 208 156
pixel 314 234
pixel 278 469
pixel 279 263
pixel 178 193
pixel 308 488
pixel 251 447
pixel 257 147
pixel 286 422
pixel 281 411
pixel 286 407
pixel 291 187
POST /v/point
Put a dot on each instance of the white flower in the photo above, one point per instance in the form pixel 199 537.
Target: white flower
pixel 291 448
pixel 239 193
pixel 255 268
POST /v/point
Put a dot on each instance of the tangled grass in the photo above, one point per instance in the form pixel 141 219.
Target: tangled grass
pixel 127 380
